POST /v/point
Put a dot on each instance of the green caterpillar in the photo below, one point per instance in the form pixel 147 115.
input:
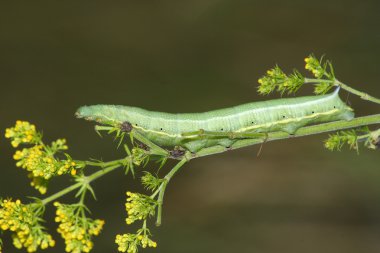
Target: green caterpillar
pixel 194 131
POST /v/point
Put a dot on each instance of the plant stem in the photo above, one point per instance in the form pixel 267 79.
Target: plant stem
pixel 304 131
pixel 163 187
pixel 105 164
pixel 90 178
pixel 362 95
pixel 83 195
pixel 336 82
pixel 314 80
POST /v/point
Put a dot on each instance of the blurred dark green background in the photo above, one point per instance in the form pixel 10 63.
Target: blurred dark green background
pixel 187 56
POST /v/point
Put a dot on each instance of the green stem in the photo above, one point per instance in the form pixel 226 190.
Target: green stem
pixel 104 164
pixel 103 128
pixel 156 192
pixel 73 187
pixel 144 227
pixel 163 187
pixel 83 195
pixel 314 80
pixel 336 82
pixel 304 131
pixel 81 202
pixel 362 95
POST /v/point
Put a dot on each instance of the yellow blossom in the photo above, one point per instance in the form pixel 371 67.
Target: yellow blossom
pixel 130 242
pixel 77 231
pixel 42 165
pixel 22 133
pixel 139 207
pixel 23 221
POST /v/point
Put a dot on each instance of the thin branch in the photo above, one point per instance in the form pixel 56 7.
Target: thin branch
pixel 163 187
pixel 304 131
pixel 71 188
pixel 362 95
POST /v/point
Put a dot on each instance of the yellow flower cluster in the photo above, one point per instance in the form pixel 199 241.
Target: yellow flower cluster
pixel 146 241
pixel 269 82
pixel 139 207
pixel 22 220
pixel 39 183
pixel 22 133
pixel 76 229
pixel 314 66
pixel 39 159
pixel 42 166
pixel 67 166
pixel 59 144
pixel 276 78
pixel 130 242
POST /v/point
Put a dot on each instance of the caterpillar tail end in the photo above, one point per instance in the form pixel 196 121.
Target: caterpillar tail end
pixel 337 89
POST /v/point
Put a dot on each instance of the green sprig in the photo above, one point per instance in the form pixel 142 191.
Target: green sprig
pixel 350 138
pixel 151 182
pixel 276 79
pixel 322 88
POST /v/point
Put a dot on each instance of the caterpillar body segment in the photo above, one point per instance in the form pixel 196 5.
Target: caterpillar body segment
pixel 195 131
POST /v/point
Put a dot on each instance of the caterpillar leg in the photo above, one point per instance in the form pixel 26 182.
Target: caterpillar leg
pixel 197 140
pixel 290 129
pixel 134 134
pixel 177 152
pixel 230 135
pixel 153 147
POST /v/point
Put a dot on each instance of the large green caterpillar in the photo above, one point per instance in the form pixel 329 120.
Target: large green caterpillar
pixel 194 131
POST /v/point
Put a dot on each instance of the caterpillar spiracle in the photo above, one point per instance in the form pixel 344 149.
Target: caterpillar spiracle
pixel 169 130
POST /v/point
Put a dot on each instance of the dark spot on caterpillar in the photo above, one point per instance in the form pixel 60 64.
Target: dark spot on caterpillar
pixel 176 153
pixel 161 128
pixel 126 127
pixel 283 116
pixel 312 112
pixel 253 122
pixel 142 145
pixel 221 129
pixel 334 106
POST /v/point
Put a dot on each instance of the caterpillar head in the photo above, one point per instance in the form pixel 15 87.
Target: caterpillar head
pixel 85 112
pixel 93 113
pixel 103 114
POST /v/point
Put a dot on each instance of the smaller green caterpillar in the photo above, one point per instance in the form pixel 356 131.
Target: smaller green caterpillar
pixel 223 126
